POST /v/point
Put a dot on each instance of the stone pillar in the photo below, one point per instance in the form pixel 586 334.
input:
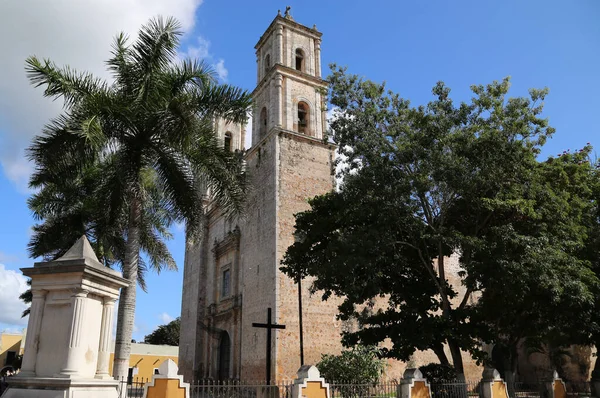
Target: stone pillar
pixel 318 57
pixel 167 383
pixel 278 58
pixel 492 385
pixel 310 384
pixel 277 91
pixel 413 384
pixel 74 355
pixel 258 67
pixel 32 338
pixel 108 308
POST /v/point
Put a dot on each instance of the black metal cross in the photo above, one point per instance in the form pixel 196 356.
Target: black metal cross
pixel 269 326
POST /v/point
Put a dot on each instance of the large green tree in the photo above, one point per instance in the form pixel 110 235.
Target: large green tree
pixel 167 334
pixel 419 184
pixel 537 283
pixel 153 120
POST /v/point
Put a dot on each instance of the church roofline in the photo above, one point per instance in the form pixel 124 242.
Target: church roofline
pixel 292 134
pixel 290 24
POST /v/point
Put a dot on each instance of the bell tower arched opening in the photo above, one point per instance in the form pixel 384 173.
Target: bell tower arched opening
pixel 303 115
pixel 300 60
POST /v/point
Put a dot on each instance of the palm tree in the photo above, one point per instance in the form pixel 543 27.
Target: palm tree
pixel 69 209
pixel 154 121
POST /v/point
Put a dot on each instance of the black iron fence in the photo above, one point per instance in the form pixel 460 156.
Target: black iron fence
pixel 239 389
pixel 134 388
pixel 456 389
pixel 581 389
pixel 352 390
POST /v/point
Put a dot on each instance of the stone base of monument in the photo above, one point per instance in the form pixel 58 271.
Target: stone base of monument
pixel 53 387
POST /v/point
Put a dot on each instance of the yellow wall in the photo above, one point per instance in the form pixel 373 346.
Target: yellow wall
pixel 9 342
pixel 145 364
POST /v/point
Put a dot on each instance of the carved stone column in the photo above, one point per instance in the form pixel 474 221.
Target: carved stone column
pixel 318 58
pixel 279 45
pixel 277 88
pixel 38 302
pixel 108 309
pixel 72 365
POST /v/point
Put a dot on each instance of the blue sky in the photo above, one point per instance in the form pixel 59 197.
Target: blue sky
pixel 409 44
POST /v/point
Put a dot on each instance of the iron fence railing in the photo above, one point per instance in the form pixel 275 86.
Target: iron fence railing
pixel 132 387
pixel 578 389
pixel 456 389
pixel 368 390
pixel 239 389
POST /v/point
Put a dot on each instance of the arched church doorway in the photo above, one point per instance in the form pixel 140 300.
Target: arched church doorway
pixel 224 356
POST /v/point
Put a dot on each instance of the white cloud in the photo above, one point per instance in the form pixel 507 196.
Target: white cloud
pixel 165 318
pixel 221 70
pixel 12 284
pixel 200 50
pixel 70 32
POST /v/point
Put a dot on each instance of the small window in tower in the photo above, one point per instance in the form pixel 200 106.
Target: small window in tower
pixel 263 122
pixel 303 117
pixel 227 141
pixel 267 62
pixel 299 60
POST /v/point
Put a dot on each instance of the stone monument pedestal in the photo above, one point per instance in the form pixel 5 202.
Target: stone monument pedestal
pixel 67 347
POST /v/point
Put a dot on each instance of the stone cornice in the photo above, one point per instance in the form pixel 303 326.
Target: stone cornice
pixel 290 24
pixel 231 241
pixel 289 134
pixel 289 73
pixel 76 266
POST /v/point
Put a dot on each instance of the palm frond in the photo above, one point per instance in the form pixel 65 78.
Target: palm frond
pixel 228 102
pixel 154 50
pixel 64 82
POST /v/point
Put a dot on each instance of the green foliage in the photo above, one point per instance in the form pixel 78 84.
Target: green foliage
pixel 436 373
pixel 361 365
pixel 165 334
pixel 422 183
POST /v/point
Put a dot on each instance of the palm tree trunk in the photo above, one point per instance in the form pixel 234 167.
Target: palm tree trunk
pixel 127 299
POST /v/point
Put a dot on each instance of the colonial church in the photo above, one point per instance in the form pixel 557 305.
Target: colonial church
pixel 231 276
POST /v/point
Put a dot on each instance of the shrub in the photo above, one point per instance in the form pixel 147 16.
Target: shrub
pixel 360 365
pixel 437 373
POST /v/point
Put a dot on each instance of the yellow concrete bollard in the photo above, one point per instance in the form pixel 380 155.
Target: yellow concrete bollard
pixel 492 385
pixel 310 384
pixel 556 387
pixel 414 385
pixel 167 383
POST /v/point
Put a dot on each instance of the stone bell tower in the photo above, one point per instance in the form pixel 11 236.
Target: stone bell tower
pixel 291 161
pixel 290 92
pixel 232 274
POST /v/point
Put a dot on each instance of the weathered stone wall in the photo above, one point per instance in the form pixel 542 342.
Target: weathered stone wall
pixel 257 257
pixel 305 171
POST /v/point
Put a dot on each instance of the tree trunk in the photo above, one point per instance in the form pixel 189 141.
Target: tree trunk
pixel 511 369
pixel 457 360
pixel 438 349
pixel 127 299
